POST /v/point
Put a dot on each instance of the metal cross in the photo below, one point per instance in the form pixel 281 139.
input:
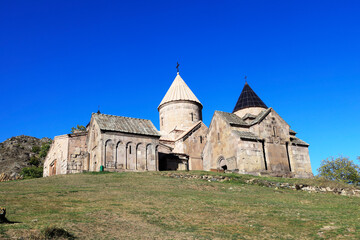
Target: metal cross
pixel 177 66
pixel 245 79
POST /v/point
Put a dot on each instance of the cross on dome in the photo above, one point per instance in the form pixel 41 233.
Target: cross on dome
pixel 177 66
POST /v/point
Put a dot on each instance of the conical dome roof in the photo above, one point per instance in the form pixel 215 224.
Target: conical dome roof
pixel 248 98
pixel 179 91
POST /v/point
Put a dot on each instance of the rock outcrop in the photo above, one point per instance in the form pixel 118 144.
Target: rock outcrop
pixel 15 154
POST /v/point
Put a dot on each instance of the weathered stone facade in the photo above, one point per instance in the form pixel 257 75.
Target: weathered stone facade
pixel 253 139
pixel 181 126
pixel 192 143
pixel 67 154
pixel 179 115
pixel 121 151
pixel 116 143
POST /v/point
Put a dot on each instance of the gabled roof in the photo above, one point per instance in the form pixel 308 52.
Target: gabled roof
pixel 249 115
pixel 235 120
pixel 179 91
pixel 248 98
pixel 188 132
pixel 261 116
pixel 298 141
pixel 125 124
pixel 232 119
pixel 292 132
pixel 247 135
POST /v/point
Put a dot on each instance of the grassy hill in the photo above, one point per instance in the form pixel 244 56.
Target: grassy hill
pixel 152 206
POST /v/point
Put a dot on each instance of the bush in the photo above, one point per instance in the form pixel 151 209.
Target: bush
pixel 35 149
pixel 32 172
pixel 55 233
pixel 34 161
pixel 340 169
pixel 44 149
pixel 78 127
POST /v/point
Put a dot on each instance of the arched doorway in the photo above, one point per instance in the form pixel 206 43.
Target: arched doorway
pixel 222 163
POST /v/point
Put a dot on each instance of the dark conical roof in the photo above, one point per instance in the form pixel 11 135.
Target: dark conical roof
pixel 248 98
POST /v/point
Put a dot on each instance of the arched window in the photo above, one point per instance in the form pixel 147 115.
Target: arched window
pixel 274 129
pixel 130 149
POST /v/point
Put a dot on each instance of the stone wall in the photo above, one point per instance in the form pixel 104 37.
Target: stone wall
pixel 67 154
pixel 250 156
pixel 300 161
pixel 220 145
pixel 74 153
pixel 78 155
pixel 275 132
pixel 94 146
pixel 57 157
pixel 272 152
pixel 192 144
pixel 179 114
pixel 129 152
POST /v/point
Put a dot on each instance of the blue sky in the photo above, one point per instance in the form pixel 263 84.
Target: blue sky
pixel 59 60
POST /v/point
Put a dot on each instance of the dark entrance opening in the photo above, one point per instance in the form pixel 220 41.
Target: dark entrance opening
pixel 224 167
pixel 168 162
pixel 162 162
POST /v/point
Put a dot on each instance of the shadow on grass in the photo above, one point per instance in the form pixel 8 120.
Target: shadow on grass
pixel 6 221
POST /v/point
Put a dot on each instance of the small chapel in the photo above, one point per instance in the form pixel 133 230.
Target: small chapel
pixel 253 139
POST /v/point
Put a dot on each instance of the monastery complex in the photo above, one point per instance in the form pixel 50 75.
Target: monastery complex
pixel 253 139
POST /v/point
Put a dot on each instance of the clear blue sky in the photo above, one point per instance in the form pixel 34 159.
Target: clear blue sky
pixel 59 60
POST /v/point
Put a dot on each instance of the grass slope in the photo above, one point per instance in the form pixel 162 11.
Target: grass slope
pixel 151 206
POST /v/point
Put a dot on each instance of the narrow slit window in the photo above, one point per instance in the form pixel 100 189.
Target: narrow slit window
pixel 218 136
pixel 201 139
pixel 192 116
pixel 129 149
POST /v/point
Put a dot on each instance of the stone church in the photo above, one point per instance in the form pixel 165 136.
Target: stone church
pixel 253 139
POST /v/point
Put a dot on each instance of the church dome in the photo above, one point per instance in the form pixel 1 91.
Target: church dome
pixel 179 91
pixel 180 109
pixel 247 99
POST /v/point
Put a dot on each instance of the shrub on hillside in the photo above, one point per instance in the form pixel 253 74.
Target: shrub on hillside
pixel 44 149
pixel 35 149
pixel 34 161
pixel 340 169
pixel 32 172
